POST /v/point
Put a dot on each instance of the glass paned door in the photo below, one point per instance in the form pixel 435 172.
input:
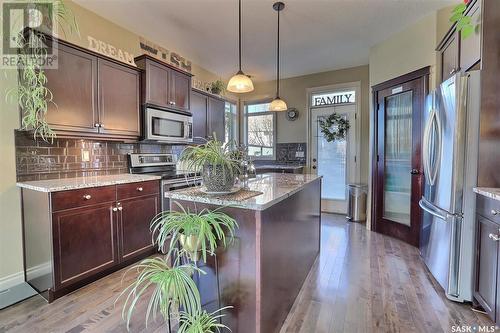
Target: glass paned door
pixel 398 157
pixel 335 160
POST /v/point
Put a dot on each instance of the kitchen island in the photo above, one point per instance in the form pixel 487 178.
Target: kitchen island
pixel 260 274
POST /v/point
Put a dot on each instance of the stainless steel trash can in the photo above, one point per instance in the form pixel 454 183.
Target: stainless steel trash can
pixel 356 205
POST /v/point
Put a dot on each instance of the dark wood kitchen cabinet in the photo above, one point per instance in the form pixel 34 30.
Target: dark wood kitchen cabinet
pixel 94 231
pixel 486 286
pixel 94 96
pixel 164 85
pixel 118 99
pixel 208 115
pixel 458 54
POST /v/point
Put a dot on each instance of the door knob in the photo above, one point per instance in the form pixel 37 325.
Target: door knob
pixel 314 160
pixel 314 167
pixel 494 237
pixel 414 172
pixel 494 212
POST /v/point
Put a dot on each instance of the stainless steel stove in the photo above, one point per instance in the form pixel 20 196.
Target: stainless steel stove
pixel 166 166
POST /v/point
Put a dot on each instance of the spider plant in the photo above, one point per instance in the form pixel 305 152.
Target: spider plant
pixel 31 94
pixel 215 159
pixel 172 287
pixel 196 232
pixel 201 322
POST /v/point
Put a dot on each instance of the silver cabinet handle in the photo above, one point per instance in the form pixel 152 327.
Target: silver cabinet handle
pixel 494 237
pixel 96 125
pixel 87 197
pixel 173 103
pixel 115 209
pixel 494 212
pixel 120 208
pixel 140 189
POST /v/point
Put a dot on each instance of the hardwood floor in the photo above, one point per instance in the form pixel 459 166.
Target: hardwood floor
pixel 361 282
pixel 368 282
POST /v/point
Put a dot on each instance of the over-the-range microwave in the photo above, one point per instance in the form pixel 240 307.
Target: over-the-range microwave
pixel 167 126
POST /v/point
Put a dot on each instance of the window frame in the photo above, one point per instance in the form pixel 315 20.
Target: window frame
pixel 245 125
pixel 236 120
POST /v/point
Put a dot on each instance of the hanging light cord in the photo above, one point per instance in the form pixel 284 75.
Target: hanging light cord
pixel 239 31
pixel 278 59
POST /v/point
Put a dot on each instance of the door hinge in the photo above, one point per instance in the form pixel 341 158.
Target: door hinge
pixel 378 158
pixel 355 159
pixel 378 106
pixel 355 116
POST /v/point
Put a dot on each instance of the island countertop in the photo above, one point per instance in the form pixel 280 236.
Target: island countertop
pixel 64 184
pixel 273 188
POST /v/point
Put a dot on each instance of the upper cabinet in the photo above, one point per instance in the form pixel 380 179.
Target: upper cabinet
pixel 459 54
pixel 208 115
pixel 164 85
pixel 93 96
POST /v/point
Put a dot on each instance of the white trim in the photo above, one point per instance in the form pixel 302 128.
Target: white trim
pixel 11 280
pixel 356 86
pixel 38 270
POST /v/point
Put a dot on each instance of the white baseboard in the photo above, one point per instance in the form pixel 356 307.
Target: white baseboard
pixel 11 280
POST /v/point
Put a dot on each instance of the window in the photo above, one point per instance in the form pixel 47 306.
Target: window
pixel 260 133
pixel 231 122
pixel 333 98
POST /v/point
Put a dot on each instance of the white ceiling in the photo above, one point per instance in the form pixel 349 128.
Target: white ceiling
pixel 316 35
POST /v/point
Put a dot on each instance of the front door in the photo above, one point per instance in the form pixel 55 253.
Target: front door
pixel 398 177
pixel 336 160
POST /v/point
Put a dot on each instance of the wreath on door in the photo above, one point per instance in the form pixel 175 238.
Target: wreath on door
pixel 334 127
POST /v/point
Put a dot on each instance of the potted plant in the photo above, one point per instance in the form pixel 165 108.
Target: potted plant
pixel 173 286
pixel 215 161
pixel 217 87
pixel 196 232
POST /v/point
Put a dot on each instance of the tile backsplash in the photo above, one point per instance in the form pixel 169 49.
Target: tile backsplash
pixel 68 158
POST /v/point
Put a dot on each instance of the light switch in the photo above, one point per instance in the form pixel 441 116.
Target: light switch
pixel 85 156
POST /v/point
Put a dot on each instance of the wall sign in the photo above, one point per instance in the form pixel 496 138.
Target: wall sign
pixel 326 99
pixel 165 55
pixel 109 50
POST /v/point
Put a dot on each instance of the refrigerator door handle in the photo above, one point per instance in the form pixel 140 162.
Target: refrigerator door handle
pixel 438 145
pixel 433 123
pixel 434 210
pixel 426 149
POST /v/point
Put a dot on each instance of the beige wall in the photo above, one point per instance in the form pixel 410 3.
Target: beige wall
pixel 11 259
pixel 294 90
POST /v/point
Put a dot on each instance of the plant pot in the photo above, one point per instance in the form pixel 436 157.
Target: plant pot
pixel 217 179
pixel 191 244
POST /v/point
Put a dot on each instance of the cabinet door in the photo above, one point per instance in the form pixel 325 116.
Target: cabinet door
pixel 157 84
pixel 449 58
pixel 135 220
pixel 486 265
pixel 180 90
pixel 74 88
pixel 84 243
pixel 470 47
pixel 118 99
pixel 216 118
pixel 199 106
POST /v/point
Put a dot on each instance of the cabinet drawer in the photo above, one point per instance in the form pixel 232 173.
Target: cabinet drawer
pixel 137 189
pixel 488 208
pixel 84 197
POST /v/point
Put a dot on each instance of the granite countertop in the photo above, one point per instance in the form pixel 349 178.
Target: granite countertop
pixel 490 192
pixel 64 184
pixel 279 166
pixel 275 187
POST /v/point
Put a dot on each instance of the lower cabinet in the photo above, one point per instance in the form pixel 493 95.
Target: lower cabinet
pixel 94 232
pixel 487 288
pixel 135 217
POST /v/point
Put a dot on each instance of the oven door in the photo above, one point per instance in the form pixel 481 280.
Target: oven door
pixel 177 184
pixel 166 126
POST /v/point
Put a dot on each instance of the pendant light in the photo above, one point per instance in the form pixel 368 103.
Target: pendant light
pixel 278 104
pixel 240 83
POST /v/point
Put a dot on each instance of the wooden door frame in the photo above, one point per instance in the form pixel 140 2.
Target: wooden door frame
pixel 420 73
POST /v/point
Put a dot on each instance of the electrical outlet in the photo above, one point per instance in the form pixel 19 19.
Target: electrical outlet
pixel 85 156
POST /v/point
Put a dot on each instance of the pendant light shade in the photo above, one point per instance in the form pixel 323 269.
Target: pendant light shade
pixel 278 104
pixel 240 83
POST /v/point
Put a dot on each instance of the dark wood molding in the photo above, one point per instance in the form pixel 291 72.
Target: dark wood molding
pixel 452 29
pixel 146 56
pixel 425 71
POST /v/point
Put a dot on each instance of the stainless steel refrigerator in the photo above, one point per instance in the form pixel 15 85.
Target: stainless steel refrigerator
pixel 449 156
